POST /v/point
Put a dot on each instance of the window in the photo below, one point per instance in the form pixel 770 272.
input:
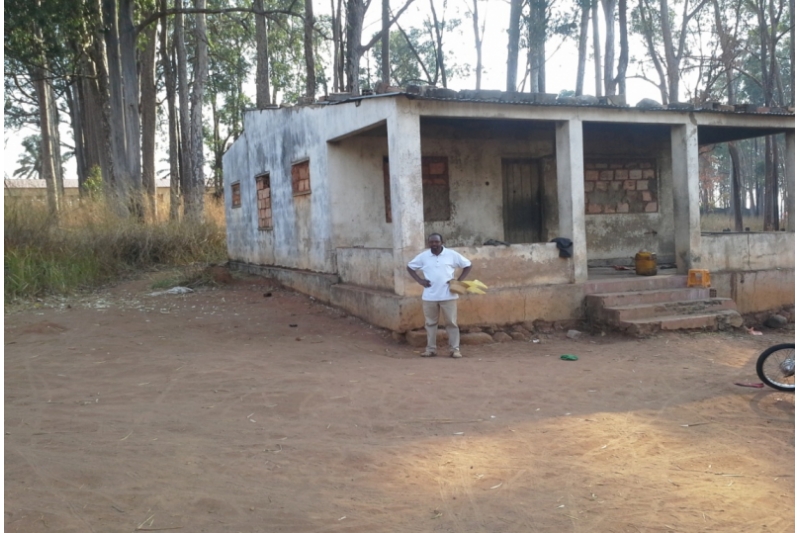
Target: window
pixel 435 189
pixel 264 199
pixel 236 195
pixel 301 183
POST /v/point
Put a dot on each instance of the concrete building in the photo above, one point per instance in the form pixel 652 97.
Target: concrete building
pixel 334 198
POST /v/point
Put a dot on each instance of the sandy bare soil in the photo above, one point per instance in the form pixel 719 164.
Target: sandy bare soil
pixel 229 410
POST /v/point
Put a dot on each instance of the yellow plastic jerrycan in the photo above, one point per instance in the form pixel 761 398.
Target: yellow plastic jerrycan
pixel 646 264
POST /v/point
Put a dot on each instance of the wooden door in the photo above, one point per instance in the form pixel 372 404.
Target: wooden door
pixel 522 200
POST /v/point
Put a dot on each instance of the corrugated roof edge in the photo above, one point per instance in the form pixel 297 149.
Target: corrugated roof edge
pixel 543 99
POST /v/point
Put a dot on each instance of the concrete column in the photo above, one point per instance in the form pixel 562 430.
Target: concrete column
pixel 790 179
pixel 569 171
pixel 686 196
pixel 405 178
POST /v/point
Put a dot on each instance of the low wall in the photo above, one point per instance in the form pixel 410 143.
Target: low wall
pixel 518 265
pixel 367 267
pixel 728 252
pixel 314 284
pixel 756 291
pixel 756 270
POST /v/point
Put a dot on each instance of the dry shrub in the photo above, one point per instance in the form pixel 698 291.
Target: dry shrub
pixel 721 222
pixel 89 244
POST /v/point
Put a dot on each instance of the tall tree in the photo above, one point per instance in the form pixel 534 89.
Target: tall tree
pixel 148 110
pixel 512 61
pixel 354 50
pixel 658 27
pixel 583 37
pixel 195 192
pixel 262 57
pixel 479 30
pixel 308 48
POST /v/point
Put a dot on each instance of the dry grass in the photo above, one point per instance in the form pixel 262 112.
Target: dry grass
pixel 720 222
pixel 89 245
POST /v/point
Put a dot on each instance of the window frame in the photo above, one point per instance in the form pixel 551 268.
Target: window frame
pixel 297 182
pixel 265 221
pixel 236 195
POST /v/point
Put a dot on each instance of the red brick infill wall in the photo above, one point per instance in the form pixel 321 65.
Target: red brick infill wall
pixel 620 186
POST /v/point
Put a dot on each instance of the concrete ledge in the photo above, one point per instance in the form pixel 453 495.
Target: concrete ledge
pixel 316 284
pixel 382 308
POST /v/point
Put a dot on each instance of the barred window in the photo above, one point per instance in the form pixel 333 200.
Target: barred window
pixel 264 199
pixel 301 181
pixel 435 189
pixel 236 195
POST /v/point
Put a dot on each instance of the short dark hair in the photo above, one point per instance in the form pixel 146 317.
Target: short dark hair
pixel 436 235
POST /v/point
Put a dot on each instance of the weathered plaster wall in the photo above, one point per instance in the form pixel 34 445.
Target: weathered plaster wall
pixel 274 139
pixel 500 307
pixel 518 265
pixel 357 192
pixel 756 270
pixel 755 291
pixel 747 251
pixel 475 153
pixel 612 237
pixel 367 267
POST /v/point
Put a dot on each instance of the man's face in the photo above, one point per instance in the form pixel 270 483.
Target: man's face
pixel 435 243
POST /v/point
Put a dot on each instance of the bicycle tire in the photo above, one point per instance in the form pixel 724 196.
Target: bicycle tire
pixel 768 367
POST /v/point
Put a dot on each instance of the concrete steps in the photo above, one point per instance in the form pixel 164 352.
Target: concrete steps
pixel 646 306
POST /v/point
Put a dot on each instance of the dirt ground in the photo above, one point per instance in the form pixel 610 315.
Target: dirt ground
pixel 252 408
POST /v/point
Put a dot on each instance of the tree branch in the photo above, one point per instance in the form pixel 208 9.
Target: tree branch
pixel 211 11
pixel 377 36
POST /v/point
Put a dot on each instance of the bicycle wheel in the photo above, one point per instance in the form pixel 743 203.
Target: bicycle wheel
pixel 775 367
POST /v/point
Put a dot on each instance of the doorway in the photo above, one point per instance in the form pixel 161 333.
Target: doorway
pixel 522 200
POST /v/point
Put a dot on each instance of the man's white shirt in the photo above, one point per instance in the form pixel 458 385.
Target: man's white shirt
pixel 439 269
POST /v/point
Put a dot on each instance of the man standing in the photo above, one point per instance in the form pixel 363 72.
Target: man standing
pixel 438 265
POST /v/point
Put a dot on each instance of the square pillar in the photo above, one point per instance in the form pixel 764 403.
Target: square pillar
pixel 571 210
pixel 405 183
pixel 686 196
pixel 790 179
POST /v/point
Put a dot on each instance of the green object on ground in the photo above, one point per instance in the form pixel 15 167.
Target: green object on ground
pixel 569 357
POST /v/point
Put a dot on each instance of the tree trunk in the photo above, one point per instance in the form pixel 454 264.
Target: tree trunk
pixel 791 53
pixel 355 24
pixel 439 47
pixel 130 94
pixel 262 58
pixel 168 66
pixel 149 103
pixel 608 59
pixel 385 64
pixel 478 45
pixel 512 62
pixel 98 107
pixel 308 47
pixel 195 198
pixel 598 56
pixel 736 185
pixel 78 131
pixel 537 28
pixel 121 176
pixel 622 66
pixel 184 127
pixel 673 65
pixel 583 38
pixel 45 107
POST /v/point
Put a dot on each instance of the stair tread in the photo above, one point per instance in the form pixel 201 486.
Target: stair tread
pixel 643 291
pixel 646 305
pixel 668 318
